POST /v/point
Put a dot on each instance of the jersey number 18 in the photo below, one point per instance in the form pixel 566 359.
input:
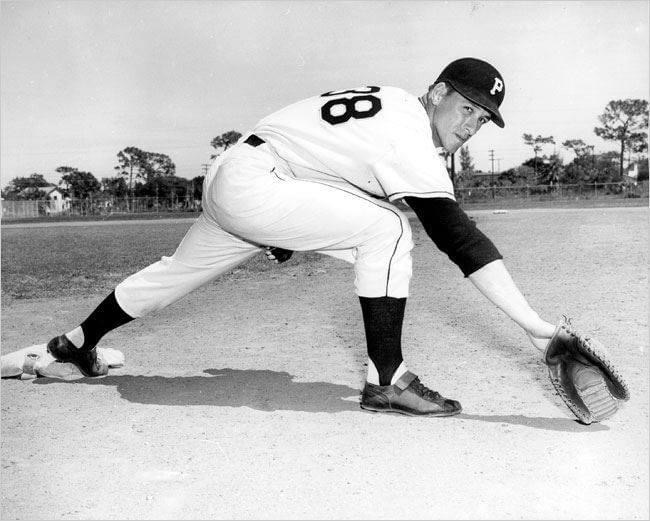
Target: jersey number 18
pixel 340 110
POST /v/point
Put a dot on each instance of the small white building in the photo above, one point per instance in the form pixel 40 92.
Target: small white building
pixel 632 171
pixel 53 194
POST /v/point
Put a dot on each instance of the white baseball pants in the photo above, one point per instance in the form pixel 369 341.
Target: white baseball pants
pixel 251 200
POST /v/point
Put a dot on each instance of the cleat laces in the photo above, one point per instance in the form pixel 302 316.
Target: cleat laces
pixel 422 390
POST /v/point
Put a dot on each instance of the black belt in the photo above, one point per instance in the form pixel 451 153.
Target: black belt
pixel 254 140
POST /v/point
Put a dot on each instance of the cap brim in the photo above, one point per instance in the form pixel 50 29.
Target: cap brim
pixel 496 116
pixel 474 96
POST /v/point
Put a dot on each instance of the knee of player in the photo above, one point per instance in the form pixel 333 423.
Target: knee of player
pixel 396 229
pixel 403 240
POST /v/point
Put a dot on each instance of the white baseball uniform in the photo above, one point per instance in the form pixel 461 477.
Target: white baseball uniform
pixel 323 180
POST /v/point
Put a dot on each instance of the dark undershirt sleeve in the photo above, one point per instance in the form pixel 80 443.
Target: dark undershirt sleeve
pixel 454 233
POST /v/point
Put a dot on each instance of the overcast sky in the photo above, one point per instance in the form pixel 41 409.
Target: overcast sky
pixel 83 80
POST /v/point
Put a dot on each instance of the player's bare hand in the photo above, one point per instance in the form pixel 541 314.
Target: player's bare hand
pixel 277 255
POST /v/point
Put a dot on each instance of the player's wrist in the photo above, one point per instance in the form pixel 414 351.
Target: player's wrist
pixel 536 327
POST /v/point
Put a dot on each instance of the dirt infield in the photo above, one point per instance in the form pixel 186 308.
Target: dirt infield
pixel 241 401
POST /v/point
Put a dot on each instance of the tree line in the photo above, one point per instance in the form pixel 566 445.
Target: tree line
pixel 138 173
pixel 623 121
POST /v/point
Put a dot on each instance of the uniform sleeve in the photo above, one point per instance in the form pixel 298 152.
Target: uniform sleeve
pixel 407 171
pixel 454 233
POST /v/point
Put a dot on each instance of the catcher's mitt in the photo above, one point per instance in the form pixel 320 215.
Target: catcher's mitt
pixel 583 375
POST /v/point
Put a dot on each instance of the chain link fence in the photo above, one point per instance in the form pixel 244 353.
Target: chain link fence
pixel 555 193
pixel 101 207
pixel 483 196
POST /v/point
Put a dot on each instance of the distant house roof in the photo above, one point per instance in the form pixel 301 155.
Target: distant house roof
pixel 44 190
pixel 47 189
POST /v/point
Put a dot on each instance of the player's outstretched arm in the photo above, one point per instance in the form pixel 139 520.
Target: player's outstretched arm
pixel 494 281
pixel 454 233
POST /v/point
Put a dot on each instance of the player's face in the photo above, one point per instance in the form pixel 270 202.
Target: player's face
pixel 455 120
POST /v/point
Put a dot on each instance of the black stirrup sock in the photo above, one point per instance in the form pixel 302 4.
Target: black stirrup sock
pixel 382 320
pixel 106 317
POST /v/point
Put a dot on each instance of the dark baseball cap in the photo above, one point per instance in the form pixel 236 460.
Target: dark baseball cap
pixel 479 82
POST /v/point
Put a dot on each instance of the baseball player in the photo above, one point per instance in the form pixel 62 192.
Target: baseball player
pixel 322 175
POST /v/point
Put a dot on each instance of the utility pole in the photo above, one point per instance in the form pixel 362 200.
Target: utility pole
pixel 204 168
pixel 492 176
pixel 131 187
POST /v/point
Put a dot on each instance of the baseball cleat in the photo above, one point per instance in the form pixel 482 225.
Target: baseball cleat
pixel 86 360
pixel 407 396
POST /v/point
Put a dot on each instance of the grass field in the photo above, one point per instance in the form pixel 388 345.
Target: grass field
pixel 60 260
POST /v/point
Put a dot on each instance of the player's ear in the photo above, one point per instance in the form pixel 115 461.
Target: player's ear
pixel 437 92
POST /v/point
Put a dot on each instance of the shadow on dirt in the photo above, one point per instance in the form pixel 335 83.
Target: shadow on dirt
pixel 266 390
pixel 263 390
pixel 548 424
